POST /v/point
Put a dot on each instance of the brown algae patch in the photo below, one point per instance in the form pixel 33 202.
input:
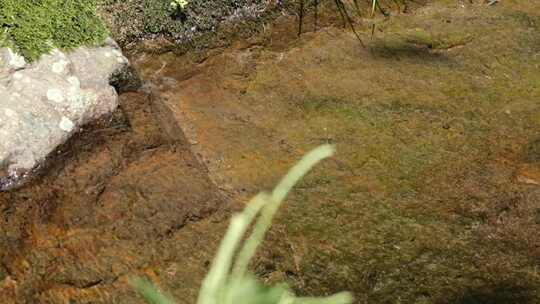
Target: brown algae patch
pixel 421 203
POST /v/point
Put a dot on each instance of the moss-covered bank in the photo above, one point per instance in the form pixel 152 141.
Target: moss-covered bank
pixel 199 25
pixel 35 27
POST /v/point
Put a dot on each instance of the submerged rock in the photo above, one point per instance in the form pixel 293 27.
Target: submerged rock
pixel 43 103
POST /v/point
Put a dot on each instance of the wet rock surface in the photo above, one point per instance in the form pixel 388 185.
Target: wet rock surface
pixel 43 103
pixel 432 197
pixel 114 210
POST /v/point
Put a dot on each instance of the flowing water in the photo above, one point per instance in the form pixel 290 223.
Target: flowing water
pixel 433 197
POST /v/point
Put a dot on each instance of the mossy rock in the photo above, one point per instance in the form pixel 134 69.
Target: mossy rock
pixel 35 27
pixel 197 26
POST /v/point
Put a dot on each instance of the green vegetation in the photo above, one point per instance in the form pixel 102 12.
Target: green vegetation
pixel 229 282
pixel 179 4
pixel 193 25
pixel 36 26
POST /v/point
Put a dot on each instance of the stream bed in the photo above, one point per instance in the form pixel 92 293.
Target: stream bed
pixel 433 196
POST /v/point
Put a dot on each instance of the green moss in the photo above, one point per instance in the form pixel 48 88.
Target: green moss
pixel 4 40
pixel 37 26
pixel 200 25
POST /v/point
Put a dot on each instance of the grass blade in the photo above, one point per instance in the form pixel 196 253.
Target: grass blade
pixel 277 197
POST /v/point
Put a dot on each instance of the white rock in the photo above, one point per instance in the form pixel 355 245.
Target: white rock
pixel 55 95
pixel 66 124
pixel 11 60
pixel 74 81
pixel 45 101
pixel 59 66
pixel 10 113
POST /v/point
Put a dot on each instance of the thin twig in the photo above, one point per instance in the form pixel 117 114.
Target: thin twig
pixel 337 2
pixel 316 13
pixel 349 21
pixel 378 4
pixel 301 17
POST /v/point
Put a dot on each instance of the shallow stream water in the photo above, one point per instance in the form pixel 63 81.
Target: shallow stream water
pixel 433 197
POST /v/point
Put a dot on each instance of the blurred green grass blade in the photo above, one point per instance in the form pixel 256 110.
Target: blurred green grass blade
pixel 221 265
pixel 216 278
pixel 270 209
pixel 223 286
pixel 249 291
pixel 301 169
pixel 147 290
